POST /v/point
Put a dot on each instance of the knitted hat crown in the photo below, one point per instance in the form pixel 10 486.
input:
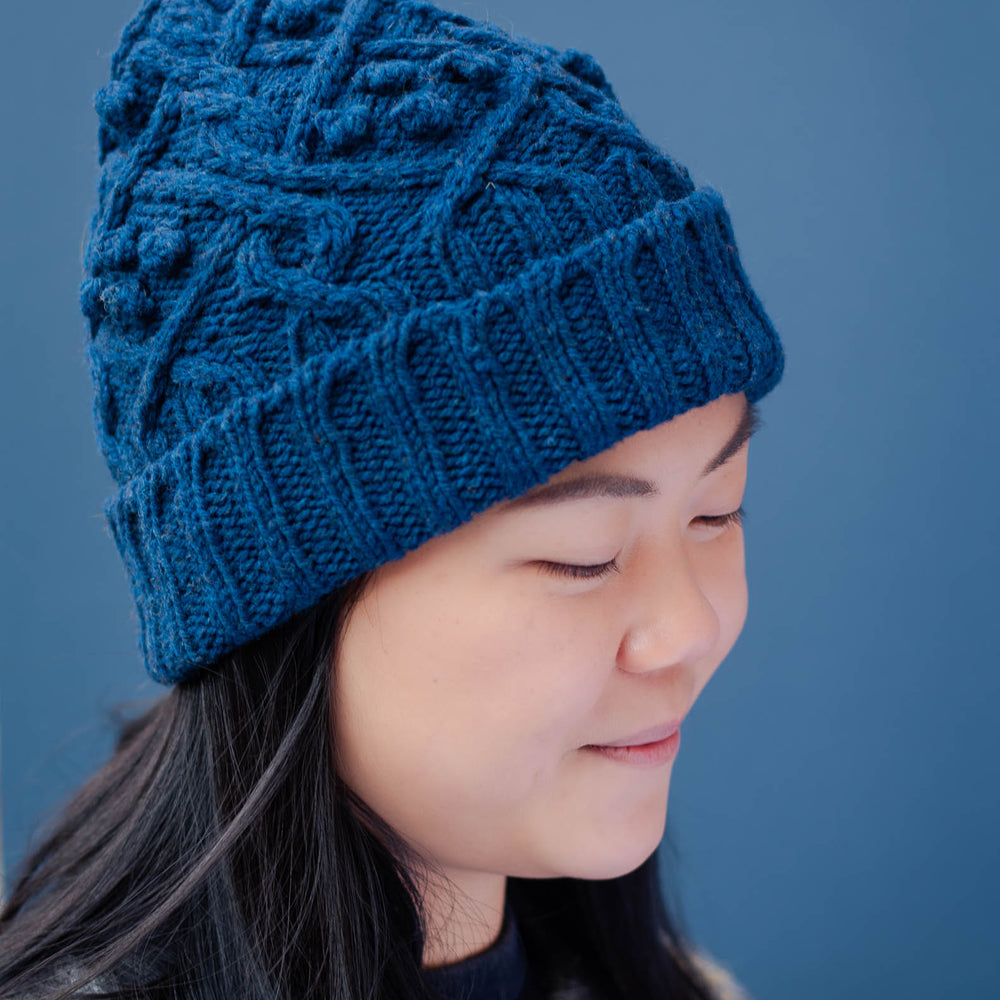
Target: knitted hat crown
pixel 360 269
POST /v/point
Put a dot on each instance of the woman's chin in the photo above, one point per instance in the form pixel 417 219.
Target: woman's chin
pixel 612 860
pixel 605 850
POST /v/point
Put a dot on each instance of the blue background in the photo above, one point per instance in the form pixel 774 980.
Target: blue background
pixel 835 805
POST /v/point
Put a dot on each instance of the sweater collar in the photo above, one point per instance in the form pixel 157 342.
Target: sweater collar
pixel 499 972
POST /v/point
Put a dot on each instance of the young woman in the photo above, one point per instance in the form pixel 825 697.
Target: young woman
pixel 427 384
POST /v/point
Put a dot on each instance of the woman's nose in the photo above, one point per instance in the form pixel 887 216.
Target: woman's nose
pixel 674 623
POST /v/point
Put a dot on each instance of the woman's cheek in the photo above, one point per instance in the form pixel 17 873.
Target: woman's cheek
pixel 726 586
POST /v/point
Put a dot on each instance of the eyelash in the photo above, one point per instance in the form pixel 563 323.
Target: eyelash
pixel 732 519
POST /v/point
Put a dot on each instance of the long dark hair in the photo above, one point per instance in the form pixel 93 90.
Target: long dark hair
pixel 216 855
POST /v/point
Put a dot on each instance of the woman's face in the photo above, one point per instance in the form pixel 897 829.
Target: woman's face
pixel 471 677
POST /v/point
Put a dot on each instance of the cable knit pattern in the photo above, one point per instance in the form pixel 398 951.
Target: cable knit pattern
pixel 359 270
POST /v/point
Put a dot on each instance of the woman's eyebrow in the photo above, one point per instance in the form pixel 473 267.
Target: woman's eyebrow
pixel 612 485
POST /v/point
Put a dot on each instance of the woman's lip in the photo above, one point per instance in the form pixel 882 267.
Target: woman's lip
pixel 655 734
pixel 658 752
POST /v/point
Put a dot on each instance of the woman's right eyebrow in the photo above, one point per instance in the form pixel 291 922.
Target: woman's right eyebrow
pixel 595 484
pixel 598 484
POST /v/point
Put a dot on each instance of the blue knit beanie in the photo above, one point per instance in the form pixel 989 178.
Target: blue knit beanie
pixel 360 269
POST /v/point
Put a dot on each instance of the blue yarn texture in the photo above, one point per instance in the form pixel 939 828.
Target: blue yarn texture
pixel 359 270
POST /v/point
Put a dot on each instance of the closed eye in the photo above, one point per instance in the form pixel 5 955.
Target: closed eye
pixel 733 519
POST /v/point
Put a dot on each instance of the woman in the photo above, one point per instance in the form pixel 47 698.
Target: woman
pixel 427 383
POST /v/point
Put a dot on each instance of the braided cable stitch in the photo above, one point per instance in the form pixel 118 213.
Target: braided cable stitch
pixel 360 269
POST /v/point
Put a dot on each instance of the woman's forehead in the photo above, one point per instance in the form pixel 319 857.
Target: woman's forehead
pixel 719 428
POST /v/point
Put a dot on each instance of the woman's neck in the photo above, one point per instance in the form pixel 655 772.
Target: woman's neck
pixel 464 915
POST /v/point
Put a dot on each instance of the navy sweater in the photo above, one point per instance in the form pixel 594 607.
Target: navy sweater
pixel 500 972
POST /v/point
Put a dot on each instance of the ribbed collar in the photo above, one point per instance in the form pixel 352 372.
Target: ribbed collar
pixel 498 973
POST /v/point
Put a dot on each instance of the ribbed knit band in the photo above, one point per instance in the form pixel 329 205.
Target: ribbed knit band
pixel 314 463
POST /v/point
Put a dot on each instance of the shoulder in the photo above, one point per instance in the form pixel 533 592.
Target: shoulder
pixel 723 983
pixel 572 991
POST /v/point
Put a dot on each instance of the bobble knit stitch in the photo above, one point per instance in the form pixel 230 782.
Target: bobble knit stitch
pixel 360 269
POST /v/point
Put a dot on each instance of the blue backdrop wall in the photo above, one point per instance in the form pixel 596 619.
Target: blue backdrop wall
pixel 835 809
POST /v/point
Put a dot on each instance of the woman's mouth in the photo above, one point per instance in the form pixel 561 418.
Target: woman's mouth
pixel 656 752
